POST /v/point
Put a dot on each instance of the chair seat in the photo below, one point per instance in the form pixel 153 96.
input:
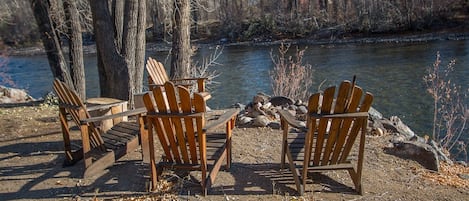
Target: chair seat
pixel 120 135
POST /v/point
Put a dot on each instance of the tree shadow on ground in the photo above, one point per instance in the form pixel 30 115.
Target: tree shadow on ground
pixel 33 170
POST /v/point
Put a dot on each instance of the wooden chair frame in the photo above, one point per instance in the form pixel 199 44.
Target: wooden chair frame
pixel 330 135
pixel 188 141
pixel 99 148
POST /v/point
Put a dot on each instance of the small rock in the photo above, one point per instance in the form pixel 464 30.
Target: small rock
pixel 292 107
pixel 396 125
pixel 302 110
pixel 302 123
pixel 244 120
pixel 298 102
pixel 239 105
pixel 274 125
pixel 377 132
pixel 374 114
pixel 260 98
pixel 266 105
pixel 463 176
pixel 463 163
pixel 261 121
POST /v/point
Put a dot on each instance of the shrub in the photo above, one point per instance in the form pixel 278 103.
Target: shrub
pixel 290 77
pixel 450 111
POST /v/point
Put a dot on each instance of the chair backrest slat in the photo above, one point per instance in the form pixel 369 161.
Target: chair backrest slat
pixel 364 107
pixel 335 124
pixel 335 137
pixel 69 97
pixel 352 104
pixel 157 71
pixel 186 107
pixel 177 131
pixel 158 123
pixel 326 101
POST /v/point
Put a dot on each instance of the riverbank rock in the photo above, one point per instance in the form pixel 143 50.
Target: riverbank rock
pixel 12 95
pixel 397 126
pixel 423 153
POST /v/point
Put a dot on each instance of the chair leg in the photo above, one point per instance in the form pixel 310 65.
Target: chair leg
pixel 204 181
pixel 356 178
pixel 296 174
pixel 229 125
pixel 284 125
pixel 155 173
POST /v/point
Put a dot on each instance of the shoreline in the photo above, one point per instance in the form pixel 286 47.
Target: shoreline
pixel 359 40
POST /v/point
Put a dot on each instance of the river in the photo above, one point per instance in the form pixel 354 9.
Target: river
pixel 392 72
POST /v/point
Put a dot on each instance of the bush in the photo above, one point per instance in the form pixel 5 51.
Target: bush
pixel 290 77
pixel 450 110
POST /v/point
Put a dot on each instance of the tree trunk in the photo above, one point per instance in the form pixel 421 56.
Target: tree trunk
pixel 114 77
pixel 140 47
pixel 121 69
pixel 77 69
pixel 117 13
pixel 51 41
pixel 181 52
pixel 129 39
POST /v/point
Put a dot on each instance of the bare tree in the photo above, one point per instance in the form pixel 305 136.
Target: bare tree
pixel 120 64
pixel 77 67
pixel 50 40
pixel 181 51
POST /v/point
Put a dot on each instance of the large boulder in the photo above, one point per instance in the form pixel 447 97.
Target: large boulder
pixel 397 126
pixel 423 153
pixel 281 101
pixel 12 95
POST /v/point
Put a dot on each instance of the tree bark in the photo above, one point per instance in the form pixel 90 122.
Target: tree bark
pixel 140 47
pixel 117 13
pixel 121 69
pixel 77 69
pixel 181 52
pixel 114 75
pixel 51 41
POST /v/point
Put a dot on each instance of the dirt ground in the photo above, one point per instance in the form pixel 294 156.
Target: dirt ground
pixel 31 160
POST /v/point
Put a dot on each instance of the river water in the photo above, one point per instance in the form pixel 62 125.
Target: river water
pixel 392 72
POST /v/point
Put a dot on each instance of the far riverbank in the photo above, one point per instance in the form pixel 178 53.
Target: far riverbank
pixel 351 39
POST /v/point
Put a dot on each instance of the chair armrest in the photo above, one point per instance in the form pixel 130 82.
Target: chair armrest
pixel 137 111
pixel 290 119
pixel 341 115
pixel 225 117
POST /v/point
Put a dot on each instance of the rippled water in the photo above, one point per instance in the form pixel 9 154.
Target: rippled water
pixel 392 72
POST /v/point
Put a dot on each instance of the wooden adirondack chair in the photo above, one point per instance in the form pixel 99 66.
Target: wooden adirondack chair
pixel 157 76
pixel 100 148
pixel 185 134
pixel 333 125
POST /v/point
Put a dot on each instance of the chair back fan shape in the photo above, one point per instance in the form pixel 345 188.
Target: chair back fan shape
pixel 336 119
pixel 179 122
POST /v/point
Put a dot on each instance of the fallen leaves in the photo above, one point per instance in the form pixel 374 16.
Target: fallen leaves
pixel 449 175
